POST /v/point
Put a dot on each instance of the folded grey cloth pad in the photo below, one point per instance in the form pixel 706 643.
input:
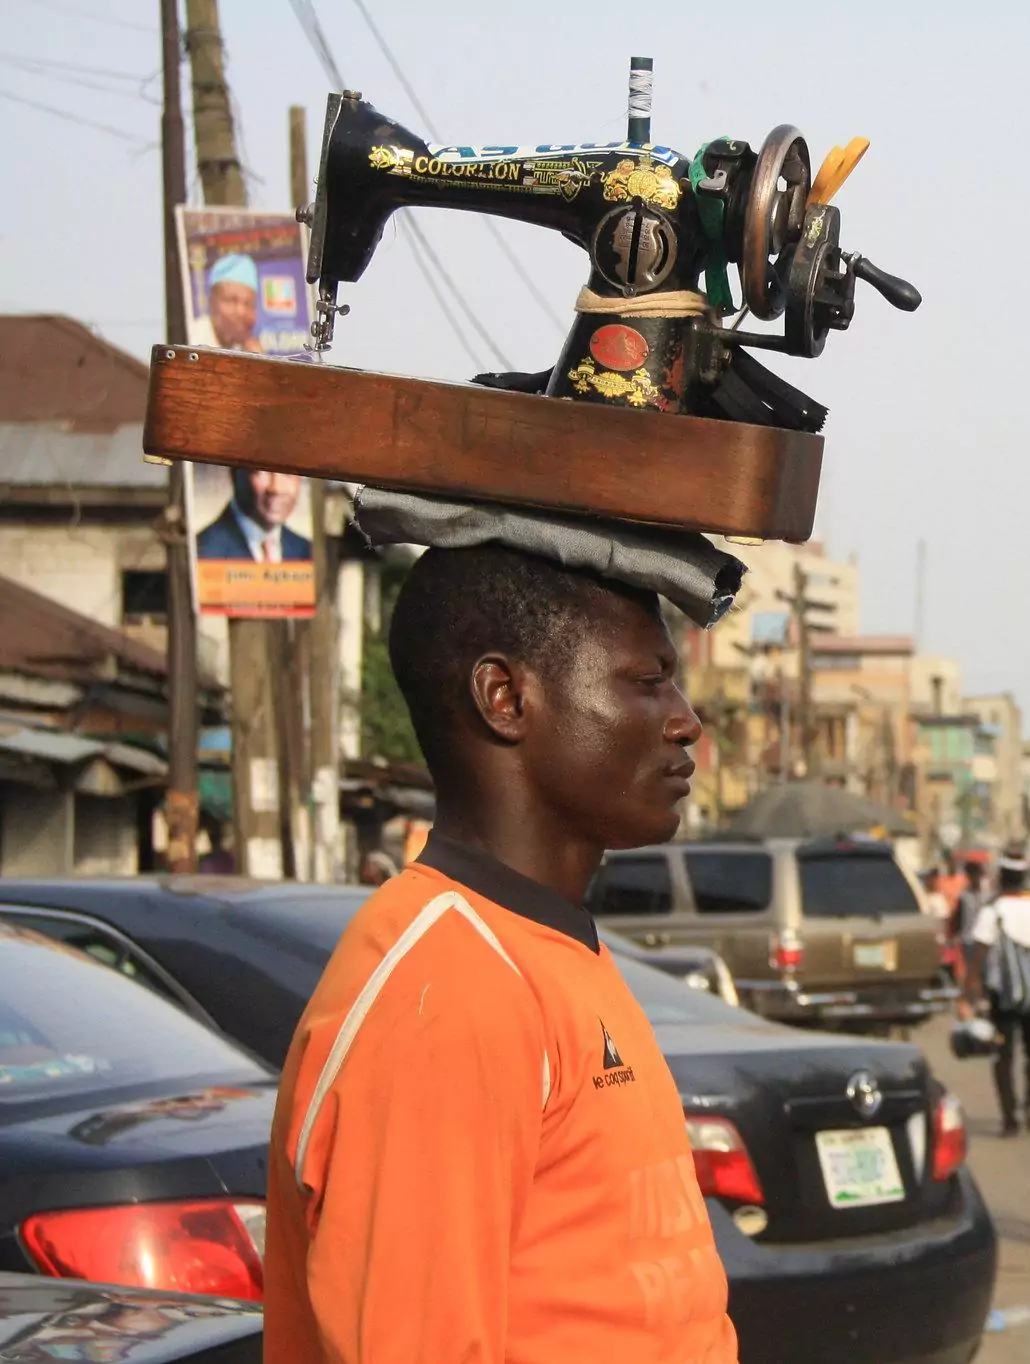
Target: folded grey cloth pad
pixel 681 566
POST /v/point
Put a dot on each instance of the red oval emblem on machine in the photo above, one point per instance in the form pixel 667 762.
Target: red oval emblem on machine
pixel 619 347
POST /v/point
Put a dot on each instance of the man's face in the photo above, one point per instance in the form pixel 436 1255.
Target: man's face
pixel 268 498
pixel 606 748
pixel 233 313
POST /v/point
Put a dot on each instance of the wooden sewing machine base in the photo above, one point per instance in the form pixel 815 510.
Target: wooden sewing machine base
pixel 469 442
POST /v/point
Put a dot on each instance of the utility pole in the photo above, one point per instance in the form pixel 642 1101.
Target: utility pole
pixel 181 807
pixel 321 653
pixel 256 664
pixel 805 670
pixel 800 605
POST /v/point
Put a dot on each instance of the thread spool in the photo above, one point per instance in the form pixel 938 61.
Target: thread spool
pixel 641 84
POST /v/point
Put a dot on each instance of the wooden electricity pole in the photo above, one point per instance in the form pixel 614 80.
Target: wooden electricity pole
pixel 800 605
pixel 255 653
pixel 181 806
pixel 319 639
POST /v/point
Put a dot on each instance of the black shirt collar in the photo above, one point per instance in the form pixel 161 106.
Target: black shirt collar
pixel 492 879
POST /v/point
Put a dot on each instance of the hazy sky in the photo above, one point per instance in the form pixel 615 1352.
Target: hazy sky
pixel 927 430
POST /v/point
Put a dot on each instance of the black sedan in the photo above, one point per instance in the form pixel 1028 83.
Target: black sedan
pixel 41 1319
pixel 133 1138
pixel 833 1167
pixel 222 942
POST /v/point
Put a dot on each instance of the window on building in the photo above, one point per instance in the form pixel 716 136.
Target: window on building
pixel 144 596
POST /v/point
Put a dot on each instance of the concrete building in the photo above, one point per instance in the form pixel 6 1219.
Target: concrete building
pixel 83 715
pixel 1001 717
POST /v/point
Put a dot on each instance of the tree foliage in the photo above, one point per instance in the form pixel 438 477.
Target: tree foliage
pixel 386 729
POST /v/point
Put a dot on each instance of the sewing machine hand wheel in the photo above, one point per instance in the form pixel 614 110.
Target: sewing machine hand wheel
pixel 774 219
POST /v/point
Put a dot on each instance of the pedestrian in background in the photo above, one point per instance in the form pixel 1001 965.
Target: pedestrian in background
pixel 1000 967
pixel 963 921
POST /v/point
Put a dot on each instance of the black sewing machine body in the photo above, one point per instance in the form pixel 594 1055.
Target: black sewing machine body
pixel 652 221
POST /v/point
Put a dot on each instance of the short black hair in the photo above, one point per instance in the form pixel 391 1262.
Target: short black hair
pixel 458 604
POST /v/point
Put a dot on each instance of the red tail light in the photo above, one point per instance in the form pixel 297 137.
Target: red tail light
pixel 723 1166
pixel 786 951
pixel 949 1138
pixel 210 1246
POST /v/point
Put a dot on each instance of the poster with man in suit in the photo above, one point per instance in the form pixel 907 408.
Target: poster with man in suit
pixel 251 533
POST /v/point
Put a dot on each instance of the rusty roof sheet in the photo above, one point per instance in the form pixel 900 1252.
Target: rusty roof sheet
pixel 42 638
pixel 53 369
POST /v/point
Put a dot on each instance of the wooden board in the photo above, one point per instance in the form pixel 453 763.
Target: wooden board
pixel 461 440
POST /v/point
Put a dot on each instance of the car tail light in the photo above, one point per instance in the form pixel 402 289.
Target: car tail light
pixel 786 951
pixel 213 1246
pixel 949 1138
pixel 723 1166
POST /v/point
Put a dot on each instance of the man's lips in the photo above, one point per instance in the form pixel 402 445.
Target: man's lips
pixel 680 774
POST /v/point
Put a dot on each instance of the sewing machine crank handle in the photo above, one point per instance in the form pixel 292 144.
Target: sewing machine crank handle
pixel 898 292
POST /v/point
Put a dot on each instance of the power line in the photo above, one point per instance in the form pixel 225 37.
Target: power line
pixel 98 18
pixel 75 118
pixel 84 83
pixel 415 229
pixel 490 226
pixel 438 294
pixel 20 58
pixel 308 19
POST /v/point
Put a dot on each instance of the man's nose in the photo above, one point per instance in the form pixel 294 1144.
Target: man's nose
pixel 683 725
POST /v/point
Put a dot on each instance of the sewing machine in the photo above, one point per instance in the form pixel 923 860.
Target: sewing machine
pixel 741 456
pixel 651 219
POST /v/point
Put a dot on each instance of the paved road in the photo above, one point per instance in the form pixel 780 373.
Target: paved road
pixel 1003 1171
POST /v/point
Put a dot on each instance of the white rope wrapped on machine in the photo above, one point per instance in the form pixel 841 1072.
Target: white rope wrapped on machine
pixel 670 303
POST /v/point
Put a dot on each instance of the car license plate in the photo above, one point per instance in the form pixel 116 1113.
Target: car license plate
pixel 859 1168
pixel 876 956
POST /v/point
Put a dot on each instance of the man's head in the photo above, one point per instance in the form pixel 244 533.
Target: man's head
pixel 553 688
pixel 232 300
pixel 266 497
pixel 1012 870
pixel 932 879
pixel 974 874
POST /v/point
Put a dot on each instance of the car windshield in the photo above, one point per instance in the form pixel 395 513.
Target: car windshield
pixel 70 1026
pixel 667 1000
pixel 854 885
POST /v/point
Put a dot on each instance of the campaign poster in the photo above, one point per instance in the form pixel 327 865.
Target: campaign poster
pixel 250 529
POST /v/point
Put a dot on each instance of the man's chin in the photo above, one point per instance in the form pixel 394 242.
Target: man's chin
pixel 662 828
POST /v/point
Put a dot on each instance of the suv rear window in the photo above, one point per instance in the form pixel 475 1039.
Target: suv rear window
pixel 851 886
pixel 632 885
pixel 729 882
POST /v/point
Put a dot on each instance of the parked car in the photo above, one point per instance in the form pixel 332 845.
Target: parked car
pixel 833 1167
pixel 133 1139
pixel 45 1319
pixel 177 933
pixel 828 931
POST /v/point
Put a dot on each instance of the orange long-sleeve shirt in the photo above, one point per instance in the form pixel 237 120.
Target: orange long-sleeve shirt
pixel 479 1155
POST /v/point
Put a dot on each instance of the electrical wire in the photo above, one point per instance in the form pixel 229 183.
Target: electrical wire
pixel 66 78
pixel 98 18
pixel 438 294
pixel 20 58
pixel 415 229
pixel 309 22
pixel 75 118
pixel 531 286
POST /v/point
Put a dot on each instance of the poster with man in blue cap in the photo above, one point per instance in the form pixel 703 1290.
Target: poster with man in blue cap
pixel 251 530
pixel 233 303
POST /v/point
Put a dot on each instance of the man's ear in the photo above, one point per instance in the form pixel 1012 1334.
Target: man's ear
pixel 498 693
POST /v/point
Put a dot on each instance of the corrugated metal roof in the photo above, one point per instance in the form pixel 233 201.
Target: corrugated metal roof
pixel 55 746
pixel 42 638
pixel 50 745
pixel 41 454
pixel 53 369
